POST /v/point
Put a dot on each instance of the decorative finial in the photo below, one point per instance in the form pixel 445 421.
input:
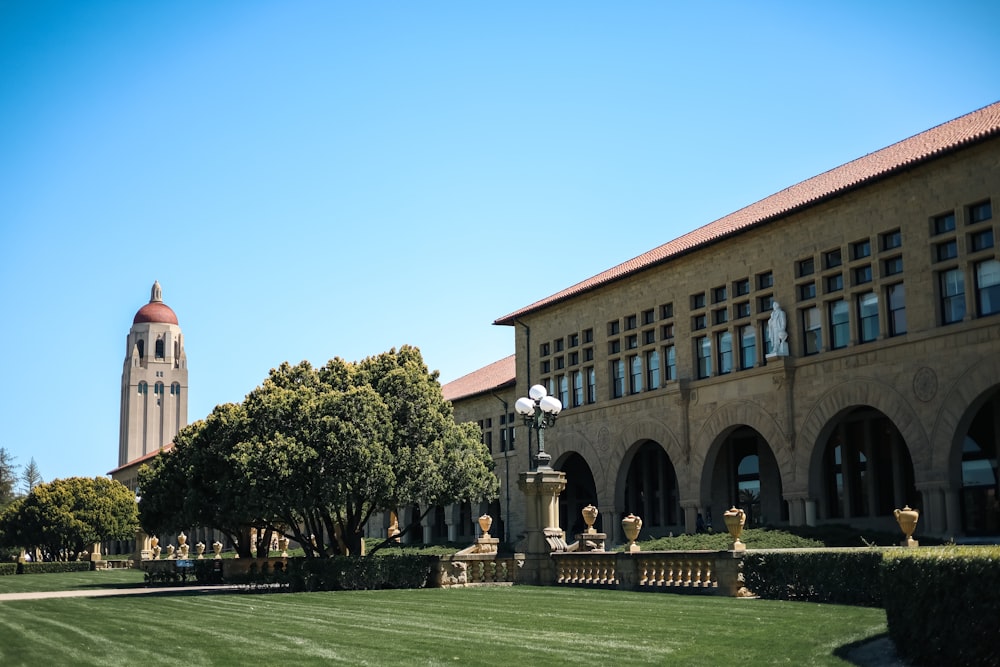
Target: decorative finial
pixel 156 294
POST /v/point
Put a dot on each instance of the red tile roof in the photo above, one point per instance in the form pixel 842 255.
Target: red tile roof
pixel 968 129
pixel 143 459
pixel 495 376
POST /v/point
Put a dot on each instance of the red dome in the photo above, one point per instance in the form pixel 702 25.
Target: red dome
pixel 155 311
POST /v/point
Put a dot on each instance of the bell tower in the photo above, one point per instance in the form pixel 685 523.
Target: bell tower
pixel 154 381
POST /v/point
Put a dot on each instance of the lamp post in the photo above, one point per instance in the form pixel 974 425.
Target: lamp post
pixel 539 411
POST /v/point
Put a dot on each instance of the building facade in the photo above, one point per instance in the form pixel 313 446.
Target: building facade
pixel 680 403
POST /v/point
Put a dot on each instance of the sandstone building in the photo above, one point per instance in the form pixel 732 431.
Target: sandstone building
pixel 678 404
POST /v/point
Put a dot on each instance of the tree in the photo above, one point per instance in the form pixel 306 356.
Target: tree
pixel 314 453
pixel 30 477
pixel 8 478
pixel 66 516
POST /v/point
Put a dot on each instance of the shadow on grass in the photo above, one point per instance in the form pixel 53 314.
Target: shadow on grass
pixel 877 651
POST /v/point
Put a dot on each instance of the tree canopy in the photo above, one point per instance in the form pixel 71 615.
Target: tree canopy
pixel 8 478
pixel 65 516
pixel 318 451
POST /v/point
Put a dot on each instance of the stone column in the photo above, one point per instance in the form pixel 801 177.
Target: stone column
pixel 541 489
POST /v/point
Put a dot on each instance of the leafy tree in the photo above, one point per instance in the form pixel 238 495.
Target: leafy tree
pixel 65 516
pixel 8 478
pixel 314 453
pixel 31 477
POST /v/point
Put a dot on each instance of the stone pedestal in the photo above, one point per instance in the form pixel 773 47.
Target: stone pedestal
pixel 541 489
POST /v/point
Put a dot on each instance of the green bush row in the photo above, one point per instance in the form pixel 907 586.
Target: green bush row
pixel 8 568
pixel 839 577
pixel 54 567
pixel 331 574
pixel 942 605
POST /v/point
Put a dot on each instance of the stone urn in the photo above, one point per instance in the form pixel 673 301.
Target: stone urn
pixel 907 520
pixel 156 550
pixel 283 545
pixel 170 551
pixel 217 549
pixel 735 518
pixel 485 523
pixel 183 548
pixel 631 525
pixel 589 517
pixel 200 548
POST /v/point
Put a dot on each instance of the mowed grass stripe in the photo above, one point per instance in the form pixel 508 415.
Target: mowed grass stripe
pixel 526 625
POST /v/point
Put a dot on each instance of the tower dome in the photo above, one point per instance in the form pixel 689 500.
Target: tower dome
pixel 155 310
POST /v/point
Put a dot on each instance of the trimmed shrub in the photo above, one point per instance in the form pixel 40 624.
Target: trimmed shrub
pixel 942 605
pixel 350 573
pixel 55 566
pixel 839 577
pixel 8 568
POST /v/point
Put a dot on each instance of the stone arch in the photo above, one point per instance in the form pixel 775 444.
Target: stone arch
pixel 855 393
pixel 718 426
pixel 957 409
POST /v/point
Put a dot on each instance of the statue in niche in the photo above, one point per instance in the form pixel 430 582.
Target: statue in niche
pixel 777 329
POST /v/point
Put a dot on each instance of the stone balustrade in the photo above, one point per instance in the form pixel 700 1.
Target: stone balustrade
pixel 708 572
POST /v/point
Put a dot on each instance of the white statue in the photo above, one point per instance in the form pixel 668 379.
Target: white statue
pixel 777 331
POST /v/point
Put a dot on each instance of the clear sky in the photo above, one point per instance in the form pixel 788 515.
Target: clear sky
pixel 318 179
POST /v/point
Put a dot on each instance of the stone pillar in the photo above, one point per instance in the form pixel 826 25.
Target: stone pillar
pixel 952 505
pixel 810 506
pixel 143 546
pixel 452 517
pixel 796 509
pixel 690 518
pixel 541 489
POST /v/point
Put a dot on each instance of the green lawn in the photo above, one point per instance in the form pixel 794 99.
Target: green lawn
pixel 522 626
pixel 70 581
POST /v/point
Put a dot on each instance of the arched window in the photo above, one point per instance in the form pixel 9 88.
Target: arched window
pixel 141 346
pixel 158 389
pixel 143 388
pixel 159 348
pixel 175 389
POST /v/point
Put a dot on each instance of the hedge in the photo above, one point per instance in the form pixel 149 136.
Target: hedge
pixel 839 577
pixel 8 568
pixel 54 567
pixel 942 605
pixel 331 574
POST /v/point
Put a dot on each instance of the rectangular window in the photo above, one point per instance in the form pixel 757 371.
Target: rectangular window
pixel 635 374
pixel 588 335
pixel 861 249
pixel 807 291
pixel 574 358
pixel 806 267
pixel 648 336
pixel 741 287
pixel 946 250
pixel 892 266
pixel 510 431
pixel 488 441
pixel 896 299
pixel 720 316
pixel 863 274
pixel 812 334
pixel 503 439
pixel 588 354
pixel 591 385
pixel 893 239
pixel 981 240
pixel 653 369
pixel 563 384
pixel 544 349
pixel 988 287
pixel 698 322
pixel 952 296
pixel 670 365
pixel 980 212
pixel 631 342
pixel 719 294
pixel 944 223
pixel 574 340
pixel 840 324
pixel 666 311
pixel 614 347
pixel 703 350
pixel 765 280
pixel 724 344
pixel 741 310
pixel 560 363
pixel 647 316
pixel 748 346
pixel 697 301
pixel 667 332
pixel 577 389
pixel 617 378
pixel 546 366
pixel 558 344
pixel 832 259
pixel 614 328
pixel 868 317
pixel 834 283
pixel 630 322
pixel 764 303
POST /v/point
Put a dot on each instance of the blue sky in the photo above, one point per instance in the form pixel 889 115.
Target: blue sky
pixel 318 179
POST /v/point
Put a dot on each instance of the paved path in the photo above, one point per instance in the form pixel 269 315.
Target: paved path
pixel 106 592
